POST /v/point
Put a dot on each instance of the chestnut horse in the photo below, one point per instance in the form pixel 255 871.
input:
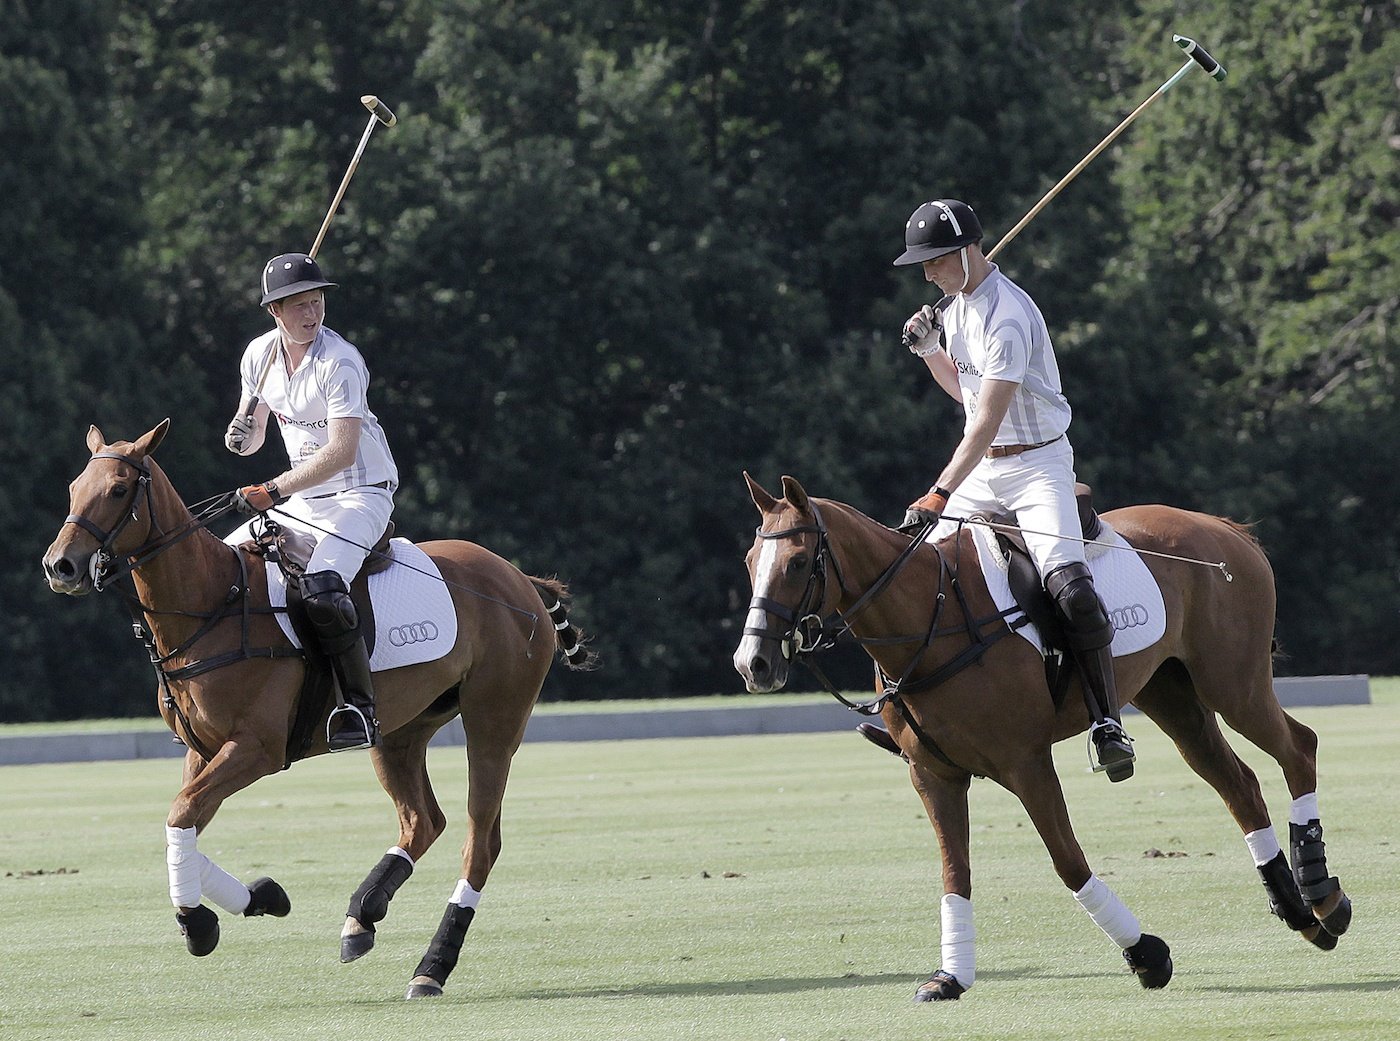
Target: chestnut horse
pixel 820 568
pixel 230 682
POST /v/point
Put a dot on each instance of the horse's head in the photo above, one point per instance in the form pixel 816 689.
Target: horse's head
pixel 109 511
pixel 788 568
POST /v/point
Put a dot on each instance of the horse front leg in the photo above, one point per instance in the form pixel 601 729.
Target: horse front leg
pixel 1037 785
pixel 193 876
pixel 945 802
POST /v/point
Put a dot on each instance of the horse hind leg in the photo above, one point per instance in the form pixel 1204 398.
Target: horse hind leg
pixel 488 768
pixel 1170 700
pixel 400 760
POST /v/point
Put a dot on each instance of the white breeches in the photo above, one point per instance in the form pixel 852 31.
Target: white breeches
pixel 1035 487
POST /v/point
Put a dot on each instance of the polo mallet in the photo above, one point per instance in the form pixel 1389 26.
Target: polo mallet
pixel 1196 54
pixel 378 113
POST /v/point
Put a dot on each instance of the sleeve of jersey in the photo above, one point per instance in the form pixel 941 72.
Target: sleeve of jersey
pixel 345 392
pixel 247 374
pixel 1008 354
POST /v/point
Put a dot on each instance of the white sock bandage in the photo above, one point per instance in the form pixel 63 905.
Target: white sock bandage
pixel 192 875
pixel 464 895
pixel 1109 913
pixel 1304 810
pixel 959 936
pixel 1263 846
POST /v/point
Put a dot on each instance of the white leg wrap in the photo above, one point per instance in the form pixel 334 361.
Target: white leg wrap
pixel 1304 810
pixel 464 895
pixel 1109 913
pixel 193 875
pixel 1263 846
pixel 959 936
pixel 222 888
pixel 183 861
pixel 399 851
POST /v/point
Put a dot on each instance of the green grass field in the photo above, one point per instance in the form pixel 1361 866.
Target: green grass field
pixel 779 887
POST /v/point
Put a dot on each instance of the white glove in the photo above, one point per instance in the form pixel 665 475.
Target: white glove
pixel 239 433
pixel 922 330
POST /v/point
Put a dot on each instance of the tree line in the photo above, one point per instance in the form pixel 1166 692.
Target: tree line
pixel 616 252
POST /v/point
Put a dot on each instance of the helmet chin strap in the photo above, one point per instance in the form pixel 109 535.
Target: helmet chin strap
pixel 967 274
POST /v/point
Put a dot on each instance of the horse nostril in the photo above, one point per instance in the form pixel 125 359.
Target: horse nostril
pixel 758 667
pixel 62 568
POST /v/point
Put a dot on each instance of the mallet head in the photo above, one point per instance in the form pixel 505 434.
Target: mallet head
pixel 1202 57
pixel 380 111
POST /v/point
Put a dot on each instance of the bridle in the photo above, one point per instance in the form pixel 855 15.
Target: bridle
pixel 104 571
pixel 808 630
pixel 100 565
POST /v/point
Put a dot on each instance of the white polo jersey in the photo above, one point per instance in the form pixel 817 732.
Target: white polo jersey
pixel 997 332
pixel 331 383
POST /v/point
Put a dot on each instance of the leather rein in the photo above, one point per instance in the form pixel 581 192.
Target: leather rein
pixel 106 570
pixel 808 631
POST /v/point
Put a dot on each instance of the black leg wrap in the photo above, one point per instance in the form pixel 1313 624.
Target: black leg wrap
pixel 1284 899
pixel 370 903
pixel 442 954
pixel 201 929
pixel 1151 959
pixel 1287 903
pixel 267 897
pixel 1309 856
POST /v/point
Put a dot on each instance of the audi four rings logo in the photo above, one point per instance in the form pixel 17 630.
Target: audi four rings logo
pixel 1129 617
pixel 413 632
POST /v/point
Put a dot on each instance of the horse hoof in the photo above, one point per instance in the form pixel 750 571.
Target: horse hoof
pixel 201 930
pixel 267 897
pixel 1150 958
pixel 356 945
pixel 423 987
pixel 1337 920
pixel 943 986
pixel 1319 937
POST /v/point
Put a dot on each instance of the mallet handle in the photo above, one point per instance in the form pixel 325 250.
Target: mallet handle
pixel 1045 199
pixel 378 113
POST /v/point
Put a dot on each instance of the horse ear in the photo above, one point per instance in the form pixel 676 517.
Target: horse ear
pixel 761 498
pixel 95 441
pixel 794 493
pixel 151 439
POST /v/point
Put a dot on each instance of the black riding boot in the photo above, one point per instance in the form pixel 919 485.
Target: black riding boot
pixel 1090 636
pixel 337 624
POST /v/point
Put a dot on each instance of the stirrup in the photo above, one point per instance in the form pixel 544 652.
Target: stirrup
pixel 367 725
pixel 1118 757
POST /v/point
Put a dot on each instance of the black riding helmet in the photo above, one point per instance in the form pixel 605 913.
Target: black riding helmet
pixel 290 274
pixel 936 228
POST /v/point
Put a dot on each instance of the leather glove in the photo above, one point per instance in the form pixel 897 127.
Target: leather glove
pixel 239 433
pixel 927 510
pixel 258 498
pixel 922 331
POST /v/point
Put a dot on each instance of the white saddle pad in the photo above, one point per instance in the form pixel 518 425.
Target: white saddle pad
pixel 414 620
pixel 1127 588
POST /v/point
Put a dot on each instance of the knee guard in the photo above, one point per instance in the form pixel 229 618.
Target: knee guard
pixel 1087 626
pixel 331 611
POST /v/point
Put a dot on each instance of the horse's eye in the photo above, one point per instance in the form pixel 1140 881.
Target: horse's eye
pixel 118 491
pixel 798 564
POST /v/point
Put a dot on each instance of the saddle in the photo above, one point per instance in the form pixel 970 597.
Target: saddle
pixel 291 551
pixel 1028 588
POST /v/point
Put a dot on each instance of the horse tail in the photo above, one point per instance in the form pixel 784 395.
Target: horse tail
pixel 569 638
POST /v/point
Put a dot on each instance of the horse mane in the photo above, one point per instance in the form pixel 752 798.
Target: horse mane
pixel 1243 530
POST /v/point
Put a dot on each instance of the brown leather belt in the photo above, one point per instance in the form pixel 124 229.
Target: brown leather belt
pixel 1002 451
pixel 327 495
